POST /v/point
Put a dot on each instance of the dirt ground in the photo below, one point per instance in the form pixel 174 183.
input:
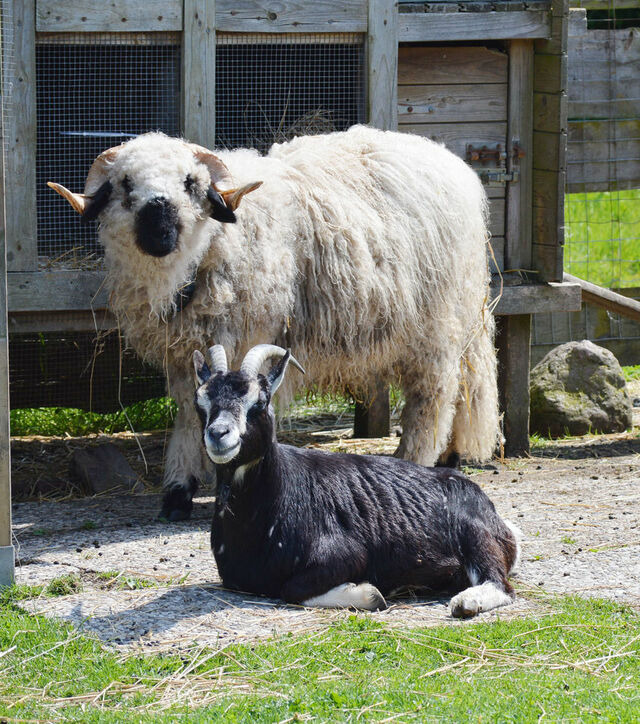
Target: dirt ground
pixel 154 585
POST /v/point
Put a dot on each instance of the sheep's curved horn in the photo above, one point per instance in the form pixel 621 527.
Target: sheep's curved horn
pixel 95 178
pixel 233 197
pixel 218 359
pixel 258 355
pixel 218 171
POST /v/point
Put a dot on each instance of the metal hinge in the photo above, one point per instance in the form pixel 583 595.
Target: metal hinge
pixel 498 176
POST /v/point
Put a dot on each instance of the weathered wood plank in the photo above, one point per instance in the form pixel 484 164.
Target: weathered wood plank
pixel 606 298
pixel 199 72
pixel 520 134
pixel 495 254
pixel 20 133
pixel 382 58
pixel 72 321
pixel 603 55
pixel 461 64
pixel 550 151
pixel 55 291
pixel 536 298
pixel 456 136
pixel 497 217
pixel 434 27
pixel 514 359
pixel 95 16
pixel 291 16
pixel 452 103
pixel 549 112
pixel 6 551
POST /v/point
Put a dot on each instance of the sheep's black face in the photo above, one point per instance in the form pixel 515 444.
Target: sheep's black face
pixel 157 227
pixel 238 423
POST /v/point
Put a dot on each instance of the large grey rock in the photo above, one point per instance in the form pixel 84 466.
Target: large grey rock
pixel 104 469
pixel 578 388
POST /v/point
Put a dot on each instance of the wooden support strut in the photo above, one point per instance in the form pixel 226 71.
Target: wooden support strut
pixel 611 301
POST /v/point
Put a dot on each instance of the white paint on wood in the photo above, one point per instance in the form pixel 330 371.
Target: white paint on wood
pixel 77 16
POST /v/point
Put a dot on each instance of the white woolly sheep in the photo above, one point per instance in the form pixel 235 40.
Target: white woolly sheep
pixel 365 250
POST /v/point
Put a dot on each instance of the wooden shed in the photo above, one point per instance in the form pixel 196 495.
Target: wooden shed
pixel 485 78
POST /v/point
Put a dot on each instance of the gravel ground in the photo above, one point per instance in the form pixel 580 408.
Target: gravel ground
pixel 155 585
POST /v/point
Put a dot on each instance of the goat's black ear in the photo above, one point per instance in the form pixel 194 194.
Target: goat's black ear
pixel 276 373
pixel 202 369
pixel 97 202
pixel 219 210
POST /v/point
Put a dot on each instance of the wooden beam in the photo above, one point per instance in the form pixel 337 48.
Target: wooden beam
pixel 7 559
pixel 451 64
pixel 535 298
pixel 514 358
pixel 447 27
pixel 56 291
pixel 97 16
pixel 19 63
pixel 449 103
pixel 291 16
pixel 199 72
pixel 382 64
pixel 606 298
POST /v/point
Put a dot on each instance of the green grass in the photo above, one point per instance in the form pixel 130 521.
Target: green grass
pixel 631 372
pixel 579 662
pixel 155 414
pixel 603 237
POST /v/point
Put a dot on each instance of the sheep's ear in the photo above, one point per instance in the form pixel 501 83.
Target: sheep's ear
pixel 97 202
pixel 233 197
pixel 219 210
pixel 202 369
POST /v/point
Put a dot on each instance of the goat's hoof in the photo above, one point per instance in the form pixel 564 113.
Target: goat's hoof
pixel 372 599
pixel 465 605
pixel 176 506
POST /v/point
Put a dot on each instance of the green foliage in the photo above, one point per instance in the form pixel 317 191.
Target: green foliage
pixel 632 372
pixel 155 414
pixel 580 661
pixel 64 585
pixel 603 237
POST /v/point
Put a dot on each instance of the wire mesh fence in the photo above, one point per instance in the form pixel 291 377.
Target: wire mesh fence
pixel 602 204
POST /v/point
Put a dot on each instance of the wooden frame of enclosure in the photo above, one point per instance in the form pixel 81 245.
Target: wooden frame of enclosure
pixel 408 54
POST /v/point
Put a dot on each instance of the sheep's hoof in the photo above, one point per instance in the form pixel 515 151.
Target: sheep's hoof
pixel 464 607
pixel 176 506
pixel 372 599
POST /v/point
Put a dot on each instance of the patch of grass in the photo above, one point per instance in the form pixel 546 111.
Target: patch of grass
pixel 64 585
pixel 631 372
pixel 89 525
pixel 603 237
pixel 155 414
pixel 568 540
pixel 579 662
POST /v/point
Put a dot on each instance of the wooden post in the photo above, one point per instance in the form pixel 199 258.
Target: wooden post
pixel 6 548
pixel 20 138
pixel 514 332
pixel 371 418
pixel 514 359
pixel 199 72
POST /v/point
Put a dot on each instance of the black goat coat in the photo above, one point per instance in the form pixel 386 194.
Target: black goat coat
pixel 303 521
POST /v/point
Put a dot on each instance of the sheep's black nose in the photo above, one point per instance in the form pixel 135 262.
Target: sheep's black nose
pixel 157 227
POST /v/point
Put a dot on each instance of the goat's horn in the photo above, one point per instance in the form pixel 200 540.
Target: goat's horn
pixel 255 358
pixel 218 358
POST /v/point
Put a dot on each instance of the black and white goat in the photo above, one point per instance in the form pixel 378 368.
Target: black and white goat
pixel 334 530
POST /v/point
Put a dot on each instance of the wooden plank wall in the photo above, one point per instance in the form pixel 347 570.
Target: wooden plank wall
pixel 458 95
pixel 604 107
pixel 549 146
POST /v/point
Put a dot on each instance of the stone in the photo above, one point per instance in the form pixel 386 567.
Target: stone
pixel 104 469
pixel 578 388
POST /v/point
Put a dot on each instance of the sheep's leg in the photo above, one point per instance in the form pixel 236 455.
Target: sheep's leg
pixel 185 466
pixel 304 587
pixel 427 419
pixel 487 566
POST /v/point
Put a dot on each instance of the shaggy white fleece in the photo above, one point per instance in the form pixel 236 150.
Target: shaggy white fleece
pixel 365 251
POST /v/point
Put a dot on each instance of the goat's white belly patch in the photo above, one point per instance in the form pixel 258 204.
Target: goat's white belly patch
pixel 349 595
